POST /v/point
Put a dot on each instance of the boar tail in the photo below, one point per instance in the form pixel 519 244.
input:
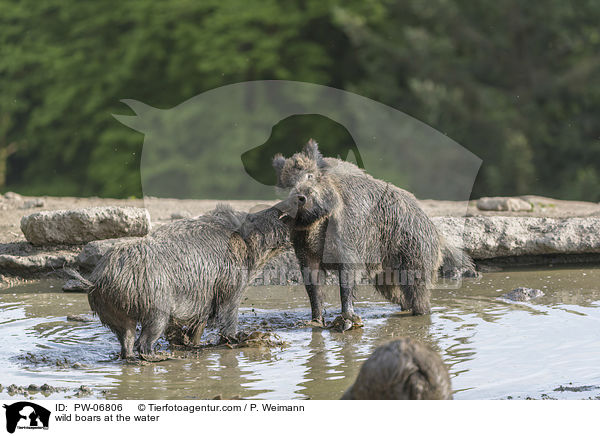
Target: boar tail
pixel 455 262
pixel 75 275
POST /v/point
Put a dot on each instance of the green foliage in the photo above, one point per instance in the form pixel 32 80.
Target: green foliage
pixel 514 82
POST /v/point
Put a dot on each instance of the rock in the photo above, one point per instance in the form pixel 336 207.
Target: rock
pixel 73 285
pixel 72 227
pixel 93 251
pixel 83 391
pixel 48 389
pixel 34 202
pixel 16 390
pixel 180 215
pixel 523 294
pixel 12 196
pixel 487 237
pixel 512 204
pixel 29 264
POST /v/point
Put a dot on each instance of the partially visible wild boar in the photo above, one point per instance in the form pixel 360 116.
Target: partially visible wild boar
pixel 189 272
pixel 402 370
pixel 345 220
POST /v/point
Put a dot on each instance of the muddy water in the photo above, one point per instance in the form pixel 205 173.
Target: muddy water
pixel 495 349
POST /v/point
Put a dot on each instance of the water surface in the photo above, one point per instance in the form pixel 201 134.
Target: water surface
pixel 495 349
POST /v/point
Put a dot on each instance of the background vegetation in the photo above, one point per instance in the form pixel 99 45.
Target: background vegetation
pixel 517 83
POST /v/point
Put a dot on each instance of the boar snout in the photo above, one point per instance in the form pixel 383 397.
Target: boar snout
pixel 287 208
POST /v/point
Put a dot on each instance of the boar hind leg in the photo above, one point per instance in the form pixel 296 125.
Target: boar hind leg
pixel 126 334
pixel 395 294
pixel 153 327
pixel 418 295
pixel 195 334
pixel 121 324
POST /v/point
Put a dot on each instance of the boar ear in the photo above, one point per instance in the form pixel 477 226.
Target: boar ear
pixel 311 150
pixel 278 162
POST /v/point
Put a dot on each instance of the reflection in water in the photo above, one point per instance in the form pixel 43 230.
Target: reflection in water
pixel 494 348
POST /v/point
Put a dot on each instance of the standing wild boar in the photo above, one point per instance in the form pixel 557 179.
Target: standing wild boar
pixel 403 369
pixel 347 221
pixel 189 272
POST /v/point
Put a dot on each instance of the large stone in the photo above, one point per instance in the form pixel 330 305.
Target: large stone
pixel 504 204
pixel 497 236
pixel 78 226
pixel 93 251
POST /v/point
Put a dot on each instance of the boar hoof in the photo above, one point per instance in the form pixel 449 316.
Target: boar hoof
pixel 316 323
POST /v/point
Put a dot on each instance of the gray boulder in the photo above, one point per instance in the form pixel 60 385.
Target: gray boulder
pixel 72 227
pixel 504 204
pixel 498 236
pixel 93 251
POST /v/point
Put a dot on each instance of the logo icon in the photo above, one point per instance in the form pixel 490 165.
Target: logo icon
pixel 26 415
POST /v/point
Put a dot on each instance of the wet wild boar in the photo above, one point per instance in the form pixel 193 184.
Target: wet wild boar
pixel 402 370
pixel 188 272
pixel 347 221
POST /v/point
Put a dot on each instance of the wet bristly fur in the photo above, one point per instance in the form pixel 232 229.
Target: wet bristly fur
pixel 403 369
pixel 362 222
pixel 191 271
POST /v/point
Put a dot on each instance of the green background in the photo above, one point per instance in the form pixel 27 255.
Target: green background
pixel 516 83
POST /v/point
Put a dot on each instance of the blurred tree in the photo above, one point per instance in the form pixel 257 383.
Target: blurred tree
pixel 65 64
pixel 514 82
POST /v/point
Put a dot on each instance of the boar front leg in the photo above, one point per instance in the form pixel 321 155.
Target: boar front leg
pixel 347 288
pixel 313 277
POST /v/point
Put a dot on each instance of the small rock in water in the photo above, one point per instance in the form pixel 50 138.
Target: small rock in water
pixel 73 286
pixel 47 388
pixel 16 390
pixel 83 391
pixel 523 294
